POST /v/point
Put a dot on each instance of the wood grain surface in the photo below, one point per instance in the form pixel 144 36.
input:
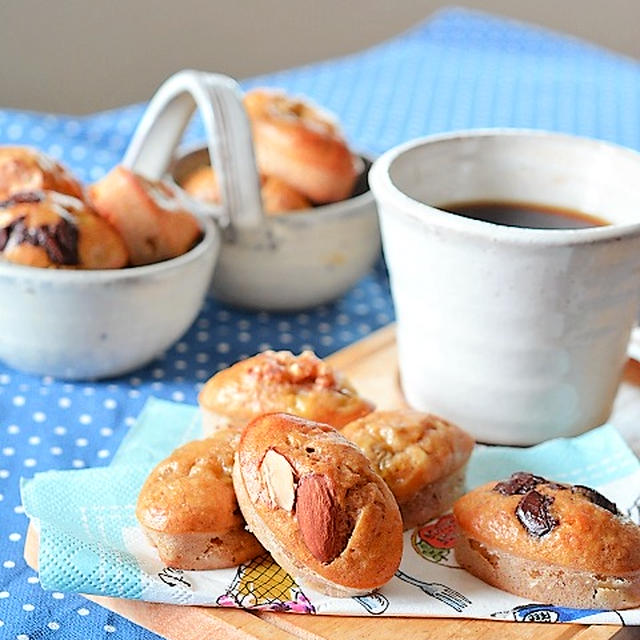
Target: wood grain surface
pixel 372 367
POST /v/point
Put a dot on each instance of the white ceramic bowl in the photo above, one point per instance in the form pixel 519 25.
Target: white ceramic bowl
pixel 275 263
pixel 80 324
pixel 305 258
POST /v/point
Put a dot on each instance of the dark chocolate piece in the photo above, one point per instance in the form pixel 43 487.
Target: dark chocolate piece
pixel 519 483
pixel 597 498
pixel 534 515
pixel 60 240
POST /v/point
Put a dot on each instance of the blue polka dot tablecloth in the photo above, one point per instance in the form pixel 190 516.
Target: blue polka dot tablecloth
pixel 458 70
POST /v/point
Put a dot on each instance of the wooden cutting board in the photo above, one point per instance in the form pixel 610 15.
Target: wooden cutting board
pixel 371 365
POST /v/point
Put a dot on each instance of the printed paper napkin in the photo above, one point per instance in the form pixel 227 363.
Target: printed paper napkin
pixel 90 541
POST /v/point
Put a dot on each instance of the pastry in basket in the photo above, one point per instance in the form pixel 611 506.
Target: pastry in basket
pixel 51 229
pixel 274 381
pixel 562 544
pixel 277 195
pixel 27 169
pixel 188 508
pixel 149 215
pixel 315 503
pixel 421 457
pixel 301 145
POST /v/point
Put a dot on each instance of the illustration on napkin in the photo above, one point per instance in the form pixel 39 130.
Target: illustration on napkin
pixel 437 590
pixel 173 577
pixel 263 584
pixel 435 540
pixel 549 613
pixel 375 603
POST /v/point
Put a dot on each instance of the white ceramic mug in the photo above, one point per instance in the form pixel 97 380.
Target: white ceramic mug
pixel 518 335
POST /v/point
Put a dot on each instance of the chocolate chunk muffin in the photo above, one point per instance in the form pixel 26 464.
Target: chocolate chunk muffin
pixel 563 544
pixel 51 229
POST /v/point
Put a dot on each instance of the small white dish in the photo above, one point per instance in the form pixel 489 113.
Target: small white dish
pixel 308 257
pixel 276 263
pixel 81 324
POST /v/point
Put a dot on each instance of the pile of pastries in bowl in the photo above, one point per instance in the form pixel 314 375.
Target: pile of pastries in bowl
pixel 303 158
pixel 49 219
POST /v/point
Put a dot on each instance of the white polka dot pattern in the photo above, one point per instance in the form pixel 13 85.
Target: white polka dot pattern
pixel 460 70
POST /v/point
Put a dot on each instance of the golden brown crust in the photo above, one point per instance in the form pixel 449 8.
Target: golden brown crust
pixel 202 184
pixel 547 583
pixel 27 169
pixel 410 449
pixel 280 197
pixel 316 504
pixel 177 495
pixel 271 381
pixel 204 550
pixel 277 195
pixel 153 222
pixel 552 542
pixel 300 145
pixel 50 229
pixel 188 509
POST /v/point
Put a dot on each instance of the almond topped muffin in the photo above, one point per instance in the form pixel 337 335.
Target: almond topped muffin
pixel 315 503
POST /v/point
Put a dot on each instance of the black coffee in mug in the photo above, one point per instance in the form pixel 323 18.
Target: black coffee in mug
pixel 524 214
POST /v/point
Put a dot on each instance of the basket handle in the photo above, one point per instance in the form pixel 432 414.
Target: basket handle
pixel 218 99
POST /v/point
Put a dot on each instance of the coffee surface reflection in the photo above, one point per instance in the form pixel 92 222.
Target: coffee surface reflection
pixel 524 214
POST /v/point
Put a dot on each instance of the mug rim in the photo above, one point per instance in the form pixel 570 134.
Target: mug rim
pixel 385 190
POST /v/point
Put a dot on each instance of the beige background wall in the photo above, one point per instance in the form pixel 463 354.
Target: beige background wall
pixel 78 56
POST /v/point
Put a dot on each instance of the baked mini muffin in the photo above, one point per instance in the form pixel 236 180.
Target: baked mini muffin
pixel 420 456
pixel 27 169
pixel 313 500
pixel 277 195
pixel 152 219
pixel 302 145
pixel 556 543
pixel 280 197
pixel 51 229
pixel 273 381
pixel 188 509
